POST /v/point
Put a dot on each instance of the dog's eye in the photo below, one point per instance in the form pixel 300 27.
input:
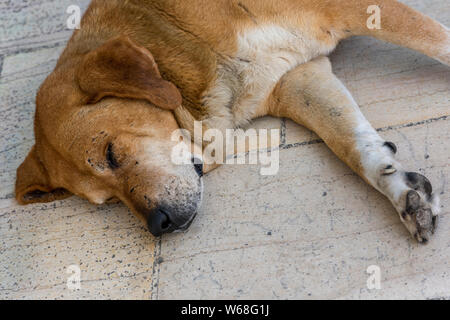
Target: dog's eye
pixel 111 158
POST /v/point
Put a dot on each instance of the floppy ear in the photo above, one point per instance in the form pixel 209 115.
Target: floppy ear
pixel 32 184
pixel 122 69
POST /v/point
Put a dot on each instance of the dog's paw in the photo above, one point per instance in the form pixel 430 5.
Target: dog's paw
pixel 419 211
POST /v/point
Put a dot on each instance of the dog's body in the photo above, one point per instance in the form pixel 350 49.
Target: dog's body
pixel 232 61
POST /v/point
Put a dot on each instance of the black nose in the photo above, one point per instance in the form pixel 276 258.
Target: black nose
pixel 198 165
pixel 159 222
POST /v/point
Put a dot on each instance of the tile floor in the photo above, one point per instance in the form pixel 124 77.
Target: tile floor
pixel 309 232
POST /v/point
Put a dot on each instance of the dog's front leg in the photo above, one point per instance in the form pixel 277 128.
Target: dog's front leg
pixel 311 95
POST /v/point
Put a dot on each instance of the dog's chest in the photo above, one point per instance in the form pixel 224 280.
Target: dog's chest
pixel 264 55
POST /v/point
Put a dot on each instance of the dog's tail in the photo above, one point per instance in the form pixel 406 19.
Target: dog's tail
pixel 394 22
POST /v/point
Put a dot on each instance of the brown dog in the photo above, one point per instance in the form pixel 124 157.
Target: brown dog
pixel 138 70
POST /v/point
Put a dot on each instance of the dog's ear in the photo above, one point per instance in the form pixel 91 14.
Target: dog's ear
pixel 32 183
pixel 120 68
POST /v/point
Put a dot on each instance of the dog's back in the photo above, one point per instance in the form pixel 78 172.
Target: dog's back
pixel 226 56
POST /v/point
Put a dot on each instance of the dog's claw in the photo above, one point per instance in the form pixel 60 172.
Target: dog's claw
pixel 389 170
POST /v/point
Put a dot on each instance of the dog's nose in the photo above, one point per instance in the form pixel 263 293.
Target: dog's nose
pixel 159 222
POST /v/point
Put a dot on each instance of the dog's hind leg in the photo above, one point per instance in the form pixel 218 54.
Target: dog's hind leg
pixel 312 96
pixel 398 24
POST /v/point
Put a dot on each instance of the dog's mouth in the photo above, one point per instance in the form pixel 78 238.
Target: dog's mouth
pixel 186 226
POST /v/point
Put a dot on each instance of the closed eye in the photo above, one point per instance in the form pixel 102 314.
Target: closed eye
pixel 111 158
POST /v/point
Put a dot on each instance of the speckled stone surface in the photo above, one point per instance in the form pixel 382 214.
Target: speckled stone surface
pixel 309 232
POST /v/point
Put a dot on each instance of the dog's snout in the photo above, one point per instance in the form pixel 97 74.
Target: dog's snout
pixel 159 222
pixel 164 220
pixel 198 165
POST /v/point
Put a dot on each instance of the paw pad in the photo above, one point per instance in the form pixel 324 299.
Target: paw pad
pixel 412 202
pixel 419 211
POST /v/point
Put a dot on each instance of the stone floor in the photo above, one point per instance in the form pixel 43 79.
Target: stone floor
pixel 309 232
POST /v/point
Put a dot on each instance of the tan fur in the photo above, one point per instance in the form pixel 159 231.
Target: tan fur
pixel 231 61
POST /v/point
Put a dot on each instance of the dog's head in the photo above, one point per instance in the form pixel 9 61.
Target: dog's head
pixel 103 128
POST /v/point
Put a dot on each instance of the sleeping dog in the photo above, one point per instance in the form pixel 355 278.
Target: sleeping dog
pixel 138 70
